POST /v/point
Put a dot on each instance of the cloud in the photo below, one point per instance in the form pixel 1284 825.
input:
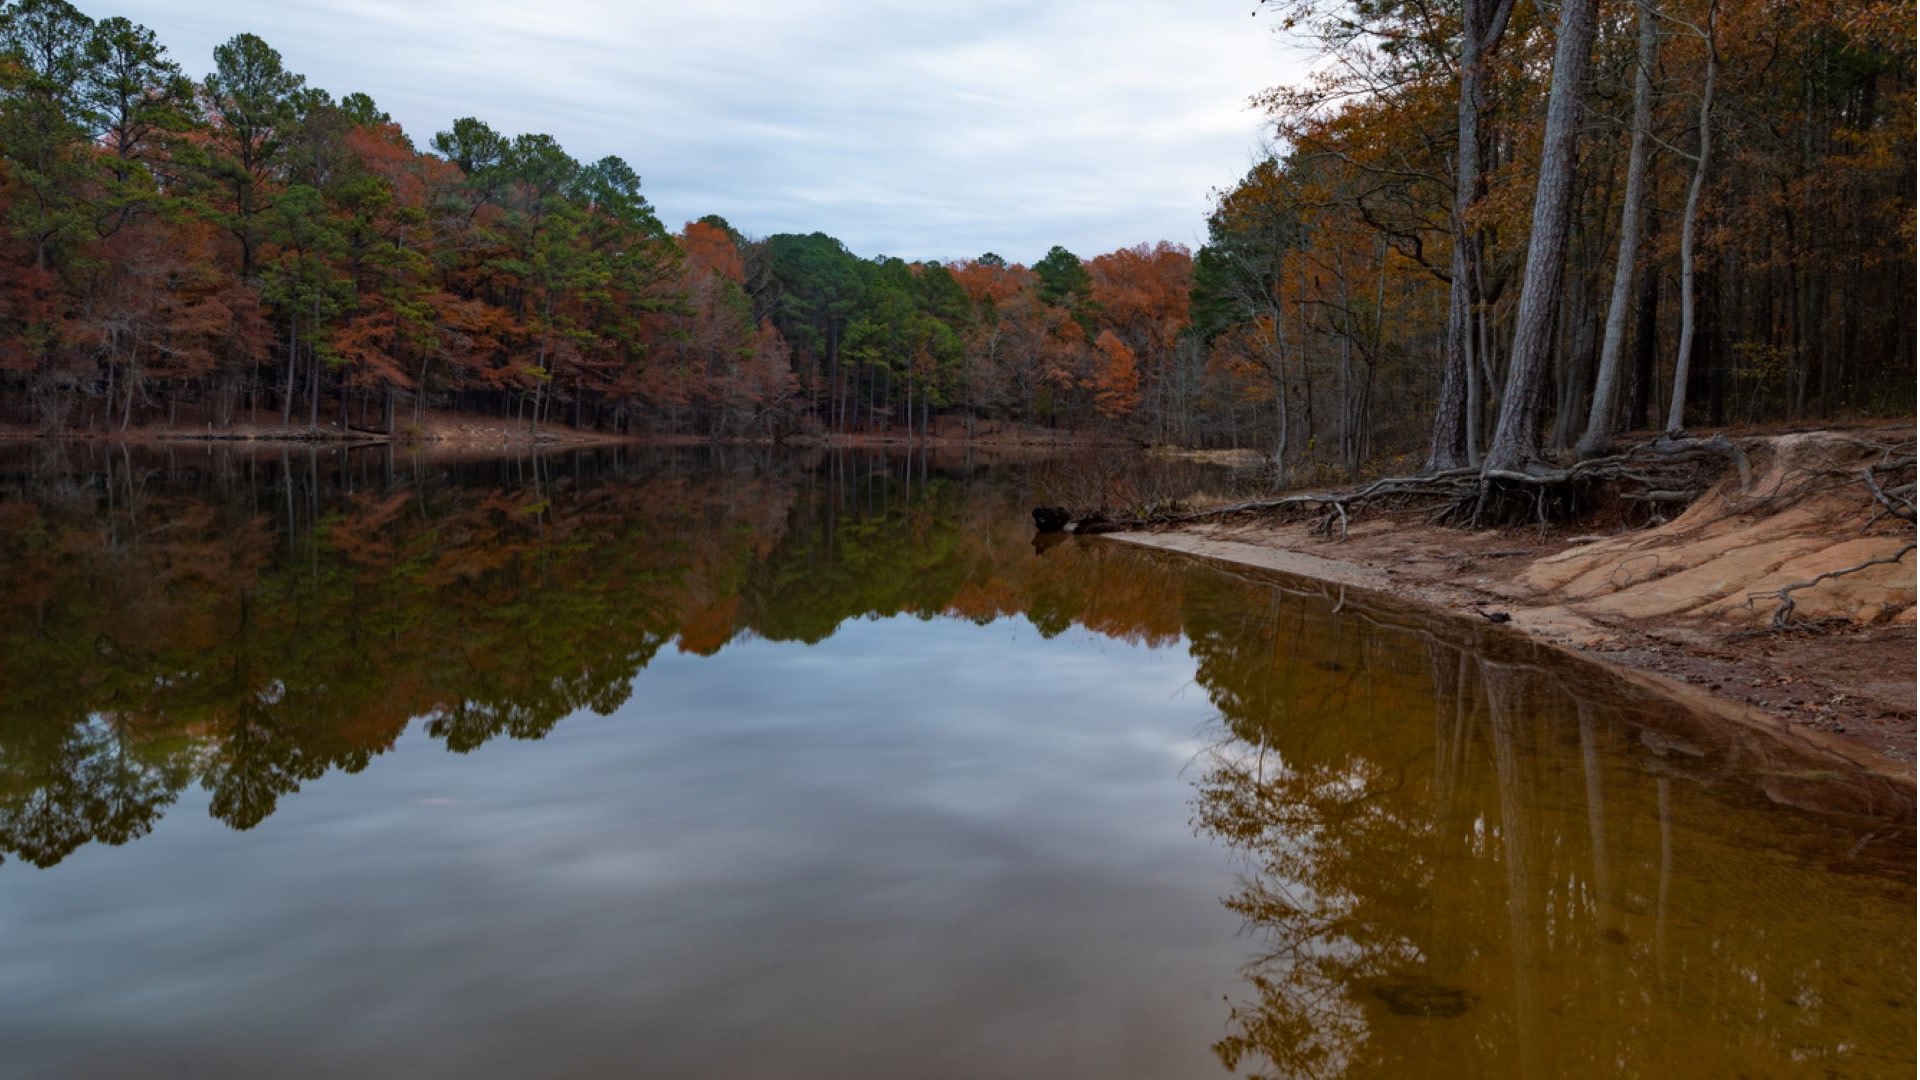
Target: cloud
pixel 926 131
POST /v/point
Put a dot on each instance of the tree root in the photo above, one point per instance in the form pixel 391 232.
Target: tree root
pixel 1895 502
pixel 1783 614
pixel 1667 471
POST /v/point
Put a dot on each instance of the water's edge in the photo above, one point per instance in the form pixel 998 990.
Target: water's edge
pixel 1323 572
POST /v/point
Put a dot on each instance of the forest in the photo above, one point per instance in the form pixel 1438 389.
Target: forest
pixel 1490 231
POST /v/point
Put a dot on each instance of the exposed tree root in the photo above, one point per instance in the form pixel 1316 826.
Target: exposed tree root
pixel 1783 614
pixel 1666 471
pixel 1897 501
pixel 1891 501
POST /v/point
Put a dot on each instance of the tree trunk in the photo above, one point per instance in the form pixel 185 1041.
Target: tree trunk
pixel 313 393
pixel 1601 420
pixel 1677 411
pixel 1485 23
pixel 293 354
pixel 1280 435
pixel 1640 403
pixel 1516 436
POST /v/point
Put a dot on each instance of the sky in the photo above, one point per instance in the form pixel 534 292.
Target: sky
pixel 922 130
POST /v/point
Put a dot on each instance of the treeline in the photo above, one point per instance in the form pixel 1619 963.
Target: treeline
pixel 248 251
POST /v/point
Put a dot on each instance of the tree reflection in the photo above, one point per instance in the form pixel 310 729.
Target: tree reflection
pixel 87 786
pixel 1320 939
pixel 1485 865
pixel 281 616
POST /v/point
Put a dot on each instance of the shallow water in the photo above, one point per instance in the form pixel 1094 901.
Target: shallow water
pixel 729 764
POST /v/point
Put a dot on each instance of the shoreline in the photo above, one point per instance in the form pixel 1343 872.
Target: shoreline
pixel 1639 655
pixel 564 438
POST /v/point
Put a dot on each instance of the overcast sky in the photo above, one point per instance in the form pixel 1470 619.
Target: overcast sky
pixel 924 130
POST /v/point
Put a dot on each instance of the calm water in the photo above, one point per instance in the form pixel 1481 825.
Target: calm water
pixel 735 765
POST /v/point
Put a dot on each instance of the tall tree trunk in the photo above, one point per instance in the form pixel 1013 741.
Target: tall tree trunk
pixel 133 385
pixel 1601 420
pixel 313 391
pixel 1677 411
pixel 1280 435
pixel 1277 370
pixel 1646 335
pixel 1516 435
pixel 1485 22
pixel 112 370
pixel 293 354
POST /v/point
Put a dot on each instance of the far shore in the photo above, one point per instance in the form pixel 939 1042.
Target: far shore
pixel 501 437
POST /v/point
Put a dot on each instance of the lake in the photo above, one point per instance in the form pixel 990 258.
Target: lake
pixel 733 762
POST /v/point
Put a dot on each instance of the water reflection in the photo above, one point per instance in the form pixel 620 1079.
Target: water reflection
pixel 254 621
pixel 1460 856
pixel 1452 851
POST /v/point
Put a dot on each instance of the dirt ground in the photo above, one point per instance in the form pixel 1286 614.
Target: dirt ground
pixel 1686 604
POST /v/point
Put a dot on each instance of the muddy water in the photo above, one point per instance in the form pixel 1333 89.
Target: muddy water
pixel 699 765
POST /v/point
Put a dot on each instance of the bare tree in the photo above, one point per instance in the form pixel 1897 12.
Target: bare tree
pixel 1677 412
pixel 1606 388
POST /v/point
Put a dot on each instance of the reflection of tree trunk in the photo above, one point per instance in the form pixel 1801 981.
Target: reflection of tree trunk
pixel 1452 718
pixel 1666 876
pixel 1453 714
pixel 286 478
pixel 1501 695
pixel 313 507
pixel 1596 819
